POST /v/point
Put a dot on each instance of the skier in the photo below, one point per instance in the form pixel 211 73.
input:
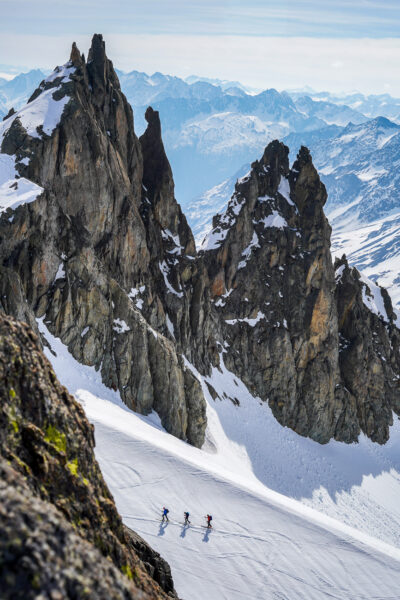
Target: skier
pixel 165 515
pixel 209 519
pixel 186 515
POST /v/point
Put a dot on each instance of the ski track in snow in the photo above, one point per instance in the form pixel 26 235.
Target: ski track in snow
pixel 263 544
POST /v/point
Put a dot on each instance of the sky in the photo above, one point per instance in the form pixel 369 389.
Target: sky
pixel 340 45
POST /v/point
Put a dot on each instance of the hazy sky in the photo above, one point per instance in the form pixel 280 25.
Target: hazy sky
pixel 337 45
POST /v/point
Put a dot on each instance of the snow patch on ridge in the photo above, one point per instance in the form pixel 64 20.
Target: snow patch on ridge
pixel 247 251
pixel 372 298
pixel 120 326
pixel 252 322
pixel 284 190
pixel 14 190
pixel 274 220
pixel 137 292
pixel 165 271
pixel 44 111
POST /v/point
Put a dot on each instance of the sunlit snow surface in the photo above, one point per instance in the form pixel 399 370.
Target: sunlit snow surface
pixel 374 247
pixel 14 190
pixel 264 544
pixel 45 112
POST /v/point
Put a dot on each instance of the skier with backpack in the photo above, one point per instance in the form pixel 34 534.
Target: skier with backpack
pixel 165 515
pixel 186 515
pixel 209 519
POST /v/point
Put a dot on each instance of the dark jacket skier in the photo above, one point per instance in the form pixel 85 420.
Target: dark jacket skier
pixel 186 515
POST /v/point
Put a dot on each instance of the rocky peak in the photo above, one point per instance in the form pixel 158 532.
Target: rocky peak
pixel 261 199
pixel 83 254
pixel 273 283
pixel 157 174
pixel 307 187
pixel 76 58
pixel 369 349
pixel 159 184
pixel 100 68
pixel 276 162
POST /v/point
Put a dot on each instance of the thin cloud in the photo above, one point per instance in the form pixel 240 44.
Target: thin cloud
pixel 358 18
pixel 368 65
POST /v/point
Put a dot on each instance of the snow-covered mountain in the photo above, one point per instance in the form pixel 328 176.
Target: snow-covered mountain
pixel 211 127
pixel 224 84
pixel 329 112
pixel 373 105
pixel 206 121
pixel 359 166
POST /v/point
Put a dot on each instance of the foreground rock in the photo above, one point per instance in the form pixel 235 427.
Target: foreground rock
pixel 60 533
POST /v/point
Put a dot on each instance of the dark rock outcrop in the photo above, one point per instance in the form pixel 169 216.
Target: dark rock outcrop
pixel 155 565
pixel 273 284
pixel 369 350
pixel 60 532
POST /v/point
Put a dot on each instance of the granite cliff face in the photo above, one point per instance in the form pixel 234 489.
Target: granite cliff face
pixel 282 315
pixel 60 532
pixel 99 248
pixel 369 344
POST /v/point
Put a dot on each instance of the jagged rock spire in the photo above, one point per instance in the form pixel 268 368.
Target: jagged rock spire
pixel 309 190
pixel 159 184
pixel 75 57
pixel 156 168
pixel 100 68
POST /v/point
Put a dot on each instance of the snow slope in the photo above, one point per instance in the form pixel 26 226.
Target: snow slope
pixel 373 247
pixel 38 117
pixel 17 91
pixel 264 544
pixel 14 190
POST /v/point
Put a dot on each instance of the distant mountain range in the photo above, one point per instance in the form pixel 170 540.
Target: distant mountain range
pixel 212 127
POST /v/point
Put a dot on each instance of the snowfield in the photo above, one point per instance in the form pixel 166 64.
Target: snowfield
pixel 372 247
pixel 262 484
